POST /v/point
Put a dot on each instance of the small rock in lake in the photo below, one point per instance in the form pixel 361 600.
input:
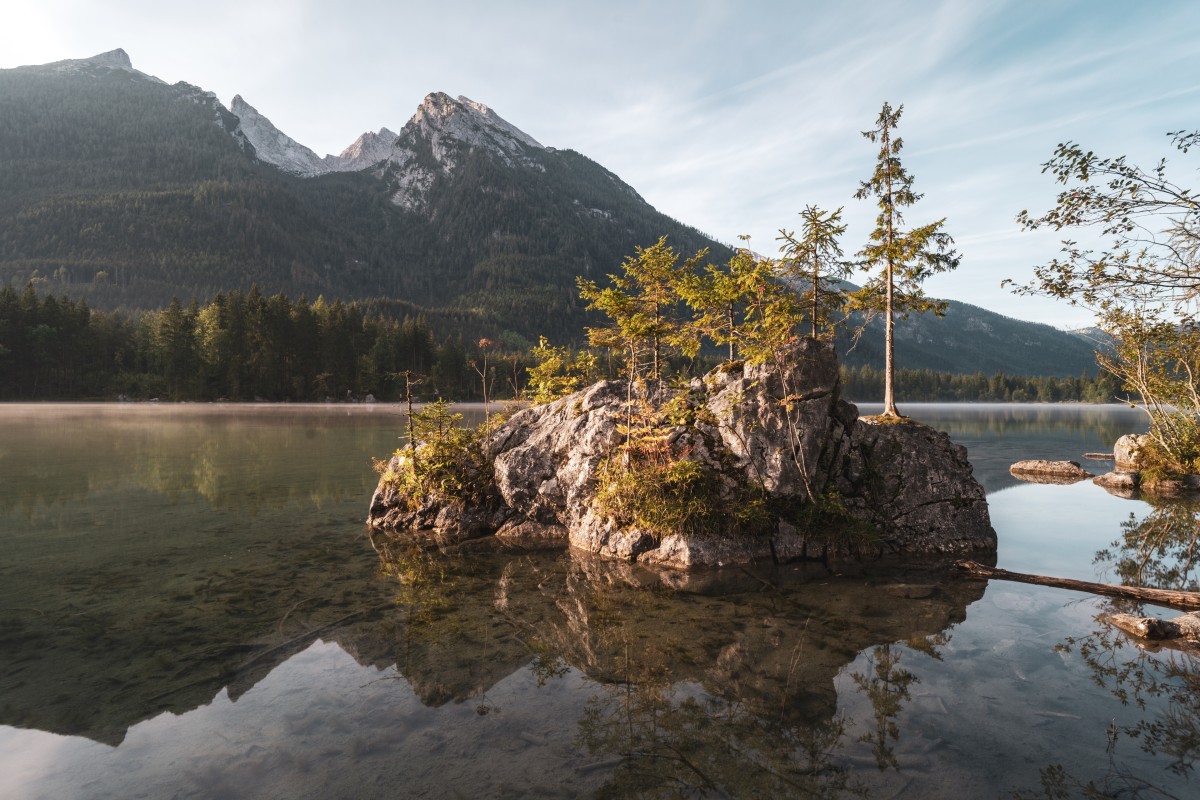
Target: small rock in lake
pixel 1042 471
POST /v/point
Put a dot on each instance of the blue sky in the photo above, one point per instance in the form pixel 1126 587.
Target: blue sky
pixel 730 116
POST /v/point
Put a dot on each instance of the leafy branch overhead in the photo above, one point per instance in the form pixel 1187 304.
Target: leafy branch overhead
pixel 1152 223
pixel 1143 286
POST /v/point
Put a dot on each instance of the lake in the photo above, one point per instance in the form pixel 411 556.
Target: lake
pixel 191 607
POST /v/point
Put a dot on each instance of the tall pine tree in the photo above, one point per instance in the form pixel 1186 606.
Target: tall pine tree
pixel 903 258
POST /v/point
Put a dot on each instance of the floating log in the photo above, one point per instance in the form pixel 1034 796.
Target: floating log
pixel 1099 456
pixel 1160 597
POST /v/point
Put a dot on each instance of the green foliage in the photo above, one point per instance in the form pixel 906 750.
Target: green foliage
pixel 1142 286
pixel 661 488
pixel 716 298
pixel 240 346
pixel 827 519
pixel 444 463
pixel 643 306
pixel 1153 225
pixel 814 260
pixel 558 371
pixel 1160 360
pixel 741 305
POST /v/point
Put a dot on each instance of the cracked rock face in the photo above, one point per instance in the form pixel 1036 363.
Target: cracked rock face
pixel 789 454
pixel 779 428
pixel 914 487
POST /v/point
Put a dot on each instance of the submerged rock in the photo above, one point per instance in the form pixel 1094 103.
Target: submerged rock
pixel 829 484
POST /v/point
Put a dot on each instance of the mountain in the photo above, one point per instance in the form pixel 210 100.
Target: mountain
pixel 117 187
pixel 971 339
pixel 276 147
pixel 124 190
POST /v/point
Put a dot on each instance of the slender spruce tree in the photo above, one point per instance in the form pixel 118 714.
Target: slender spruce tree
pixel 814 257
pixel 903 258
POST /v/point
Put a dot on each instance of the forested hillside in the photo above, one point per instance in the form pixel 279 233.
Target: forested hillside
pixel 124 192
pixel 970 339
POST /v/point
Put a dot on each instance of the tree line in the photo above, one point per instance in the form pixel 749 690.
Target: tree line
pixel 866 384
pixel 243 346
pixel 238 346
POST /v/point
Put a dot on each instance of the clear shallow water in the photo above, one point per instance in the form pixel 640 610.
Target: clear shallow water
pixel 190 607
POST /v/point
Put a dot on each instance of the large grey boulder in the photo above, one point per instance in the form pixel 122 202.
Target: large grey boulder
pixel 834 485
pixel 1127 452
pixel 789 451
pixel 915 488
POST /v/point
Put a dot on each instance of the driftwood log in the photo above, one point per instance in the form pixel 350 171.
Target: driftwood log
pixel 1161 597
pixel 1184 626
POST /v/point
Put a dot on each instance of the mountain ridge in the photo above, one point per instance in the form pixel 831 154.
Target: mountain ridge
pixel 124 190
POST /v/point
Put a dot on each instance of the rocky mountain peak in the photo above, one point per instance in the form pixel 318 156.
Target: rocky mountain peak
pixel 118 59
pixel 440 116
pixel 446 127
pixel 273 145
pixel 370 148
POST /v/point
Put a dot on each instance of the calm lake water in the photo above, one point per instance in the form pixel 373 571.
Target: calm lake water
pixel 191 607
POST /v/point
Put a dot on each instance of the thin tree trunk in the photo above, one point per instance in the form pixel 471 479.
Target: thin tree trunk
pixel 730 323
pixel 889 346
pixel 889 365
pixel 816 295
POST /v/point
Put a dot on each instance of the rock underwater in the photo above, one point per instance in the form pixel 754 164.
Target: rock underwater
pixel 830 484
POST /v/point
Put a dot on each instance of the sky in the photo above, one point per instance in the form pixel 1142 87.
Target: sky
pixel 729 115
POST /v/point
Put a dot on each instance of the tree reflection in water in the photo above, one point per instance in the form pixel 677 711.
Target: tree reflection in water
pixel 886 686
pixel 1157 551
pixel 673 739
pixel 1160 550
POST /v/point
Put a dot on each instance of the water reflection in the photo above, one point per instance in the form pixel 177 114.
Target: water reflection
pixel 1159 550
pixel 886 684
pixel 242 458
pixel 159 560
pixel 998 434
pixel 1160 685
pixel 1159 680
pixel 726 688
pixel 154 556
